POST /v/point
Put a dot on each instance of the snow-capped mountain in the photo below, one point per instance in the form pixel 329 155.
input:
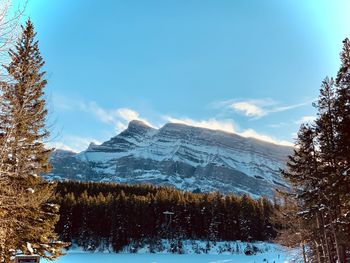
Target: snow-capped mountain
pixel 189 158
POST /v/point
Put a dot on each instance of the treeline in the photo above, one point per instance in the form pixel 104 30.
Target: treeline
pixel 106 215
pixel 319 170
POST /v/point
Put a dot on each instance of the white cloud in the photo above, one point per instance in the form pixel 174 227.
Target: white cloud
pixel 73 143
pixel 119 117
pixel 122 116
pixel 253 134
pixel 289 107
pixel 213 124
pixel 61 102
pixel 128 114
pixel 249 109
pixel 227 126
pixel 257 108
pixel 61 146
pixel 306 119
pixel 278 125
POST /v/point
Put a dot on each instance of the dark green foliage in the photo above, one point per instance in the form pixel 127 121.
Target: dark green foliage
pixel 319 171
pixel 114 215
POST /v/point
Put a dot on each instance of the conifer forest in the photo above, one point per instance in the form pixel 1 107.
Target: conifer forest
pixel 100 215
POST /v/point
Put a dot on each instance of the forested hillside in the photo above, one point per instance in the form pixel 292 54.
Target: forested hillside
pixel 105 215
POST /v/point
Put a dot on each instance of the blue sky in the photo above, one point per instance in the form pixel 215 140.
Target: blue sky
pixel 251 67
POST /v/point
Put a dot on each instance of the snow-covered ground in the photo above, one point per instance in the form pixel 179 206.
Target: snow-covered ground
pixel 172 258
pixel 269 253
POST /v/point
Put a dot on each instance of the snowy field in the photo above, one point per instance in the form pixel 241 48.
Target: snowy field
pixel 173 258
pixel 268 253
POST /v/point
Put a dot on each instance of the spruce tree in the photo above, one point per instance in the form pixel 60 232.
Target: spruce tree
pixel 319 169
pixel 303 175
pixel 22 122
pixel 342 109
pixel 329 204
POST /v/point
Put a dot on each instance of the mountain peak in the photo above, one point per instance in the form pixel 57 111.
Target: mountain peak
pixel 137 127
pixel 91 146
pixel 138 123
pixel 174 125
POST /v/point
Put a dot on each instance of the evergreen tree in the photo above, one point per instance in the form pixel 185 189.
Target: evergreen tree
pixel 22 122
pixel 329 205
pixel 342 109
pixel 268 231
pixel 246 214
pixel 303 175
pixel 319 169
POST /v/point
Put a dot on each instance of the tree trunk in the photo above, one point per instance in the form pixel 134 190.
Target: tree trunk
pixel 329 253
pixel 342 258
pixel 327 246
pixel 321 237
pixel 304 252
pixel 337 248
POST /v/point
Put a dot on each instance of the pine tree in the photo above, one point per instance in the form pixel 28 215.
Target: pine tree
pixel 303 174
pixel 319 169
pixel 342 109
pixel 331 181
pixel 22 122
pixel 246 217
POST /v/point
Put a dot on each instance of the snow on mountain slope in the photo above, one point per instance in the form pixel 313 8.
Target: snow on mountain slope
pixel 189 158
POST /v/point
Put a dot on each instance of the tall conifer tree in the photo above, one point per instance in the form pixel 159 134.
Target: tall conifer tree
pixel 342 109
pixel 22 122
pixel 319 169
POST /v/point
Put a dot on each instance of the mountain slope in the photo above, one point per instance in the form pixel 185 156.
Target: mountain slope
pixel 186 157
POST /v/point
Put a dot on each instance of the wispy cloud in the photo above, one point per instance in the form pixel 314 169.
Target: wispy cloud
pixel 289 107
pixel 213 124
pixel 250 133
pixel 73 143
pixel 249 109
pixel 257 108
pixel 227 126
pixel 61 102
pixel 306 119
pixel 278 125
pixel 119 117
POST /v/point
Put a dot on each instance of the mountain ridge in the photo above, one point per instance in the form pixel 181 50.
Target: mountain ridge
pixel 179 155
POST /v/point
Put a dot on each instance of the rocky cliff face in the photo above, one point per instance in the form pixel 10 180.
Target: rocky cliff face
pixel 186 157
